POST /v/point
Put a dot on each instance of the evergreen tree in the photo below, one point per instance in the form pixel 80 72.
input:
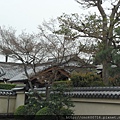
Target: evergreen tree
pixel 99 27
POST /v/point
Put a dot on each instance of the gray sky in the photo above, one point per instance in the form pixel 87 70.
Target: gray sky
pixel 28 14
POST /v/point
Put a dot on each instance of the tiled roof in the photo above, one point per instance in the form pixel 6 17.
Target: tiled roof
pixel 15 71
pixel 10 70
pixel 96 92
pixel 22 76
pixel 117 88
pixel 83 92
pixel 7 92
pixel 11 92
pixel 92 92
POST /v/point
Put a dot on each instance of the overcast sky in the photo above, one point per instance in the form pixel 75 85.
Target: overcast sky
pixel 28 14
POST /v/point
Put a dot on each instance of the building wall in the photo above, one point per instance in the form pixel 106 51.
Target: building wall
pixel 8 104
pixel 85 106
pixel 20 99
pixel 96 106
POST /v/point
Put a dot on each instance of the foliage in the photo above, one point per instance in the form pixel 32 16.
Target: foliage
pixel 58 100
pixel 114 68
pixel 86 80
pixel 103 55
pixel 103 28
pixel 7 86
pixel 117 30
pixel 57 104
pixel 63 82
pixel 114 71
pixel 112 56
pixel 45 114
pixel 114 81
pixel 21 110
pixel 66 111
pixel 29 110
pixel 44 111
pixel 33 105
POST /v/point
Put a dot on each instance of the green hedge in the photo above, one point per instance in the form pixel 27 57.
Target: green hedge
pixel 86 80
pixel 44 111
pixel 66 111
pixel 7 86
pixel 45 114
pixel 21 110
pixel 114 81
pixel 65 82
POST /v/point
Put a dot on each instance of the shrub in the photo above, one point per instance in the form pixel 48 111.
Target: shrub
pixel 114 81
pixel 33 106
pixel 86 80
pixel 50 106
pixel 67 83
pixel 66 111
pixel 44 111
pixel 58 100
pixel 97 84
pixel 21 113
pixel 7 86
pixel 21 110
pixel 29 110
pixel 45 114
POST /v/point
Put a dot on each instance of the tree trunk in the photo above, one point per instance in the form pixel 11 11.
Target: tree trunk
pixel 105 75
pixel 47 92
pixel 6 58
pixel 30 84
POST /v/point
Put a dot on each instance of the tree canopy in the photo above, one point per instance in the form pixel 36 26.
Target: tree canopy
pixel 102 27
pixel 96 34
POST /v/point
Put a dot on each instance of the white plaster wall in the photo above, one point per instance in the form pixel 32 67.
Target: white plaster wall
pixel 7 104
pixel 96 107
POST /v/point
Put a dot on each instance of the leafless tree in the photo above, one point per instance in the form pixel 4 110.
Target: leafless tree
pixel 25 48
pixel 58 46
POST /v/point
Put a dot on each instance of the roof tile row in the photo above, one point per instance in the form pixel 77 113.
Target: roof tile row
pixel 93 92
pixel 6 93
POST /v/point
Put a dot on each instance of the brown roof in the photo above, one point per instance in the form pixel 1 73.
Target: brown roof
pixel 51 73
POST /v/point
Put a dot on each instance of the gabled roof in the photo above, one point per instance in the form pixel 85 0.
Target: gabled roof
pixel 51 73
pixel 40 71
